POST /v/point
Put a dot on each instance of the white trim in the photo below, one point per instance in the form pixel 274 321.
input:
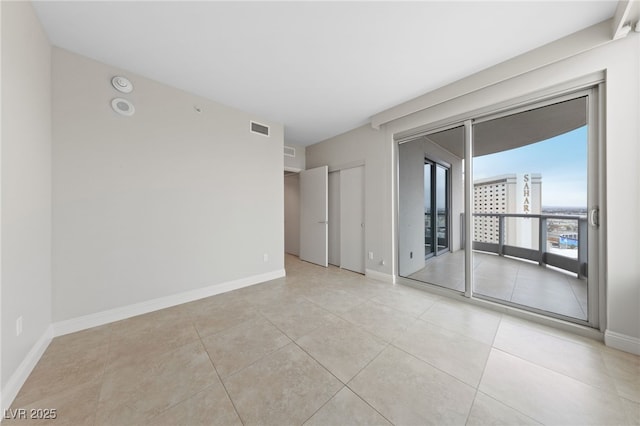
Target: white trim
pixel 620 20
pixel 380 276
pixel 72 325
pixel 19 377
pixel 622 341
pixel 292 169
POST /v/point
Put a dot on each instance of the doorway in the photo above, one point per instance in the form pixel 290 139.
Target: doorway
pixel 346 219
pixel 532 189
pixel 332 217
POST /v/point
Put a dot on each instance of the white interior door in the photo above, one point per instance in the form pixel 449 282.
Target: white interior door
pixel 334 218
pixel 314 215
pixel 352 219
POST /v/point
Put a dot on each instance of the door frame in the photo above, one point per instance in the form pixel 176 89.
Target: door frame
pixel 594 86
pixel 434 205
pixel 594 173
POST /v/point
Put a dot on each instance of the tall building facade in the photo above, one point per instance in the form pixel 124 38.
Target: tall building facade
pixel 519 193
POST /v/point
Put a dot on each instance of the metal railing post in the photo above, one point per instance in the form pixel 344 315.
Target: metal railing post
pixel 582 246
pixel 542 240
pixel 501 220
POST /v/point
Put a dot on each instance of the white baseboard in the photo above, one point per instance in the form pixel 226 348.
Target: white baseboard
pixel 100 318
pixel 25 368
pixel 622 341
pixel 380 276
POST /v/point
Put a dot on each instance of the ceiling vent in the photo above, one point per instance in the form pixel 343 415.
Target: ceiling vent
pixel 289 151
pixel 258 128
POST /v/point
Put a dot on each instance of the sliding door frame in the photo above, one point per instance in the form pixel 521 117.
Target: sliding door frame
pixel 592 86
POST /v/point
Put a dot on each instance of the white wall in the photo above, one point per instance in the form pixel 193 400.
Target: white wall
pixel 292 214
pixel 26 187
pixel 161 203
pixel 367 146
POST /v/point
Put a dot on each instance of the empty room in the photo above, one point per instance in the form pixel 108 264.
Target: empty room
pixel 320 212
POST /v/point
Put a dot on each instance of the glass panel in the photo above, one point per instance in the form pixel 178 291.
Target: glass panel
pixel 429 247
pixel 442 187
pixel 529 201
pixel 431 209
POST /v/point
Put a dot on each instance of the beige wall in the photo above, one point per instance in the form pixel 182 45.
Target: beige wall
pixel 297 162
pixel 26 186
pixel 161 203
pixel 411 227
pixel 292 214
pixel 367 146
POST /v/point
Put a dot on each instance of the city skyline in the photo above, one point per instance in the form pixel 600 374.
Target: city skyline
pixel 561 160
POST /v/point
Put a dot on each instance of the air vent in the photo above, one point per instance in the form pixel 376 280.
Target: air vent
pixel 289 151
pixel 260 129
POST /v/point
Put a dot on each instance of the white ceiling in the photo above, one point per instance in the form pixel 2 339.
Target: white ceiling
pixel 320 68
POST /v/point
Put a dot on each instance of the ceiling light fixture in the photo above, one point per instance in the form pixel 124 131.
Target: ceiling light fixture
pixel 123 107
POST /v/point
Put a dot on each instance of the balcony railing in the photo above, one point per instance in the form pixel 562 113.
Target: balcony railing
pixel 576 264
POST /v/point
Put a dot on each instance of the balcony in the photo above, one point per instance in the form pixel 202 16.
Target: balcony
pixel 549 277
pixel 570 244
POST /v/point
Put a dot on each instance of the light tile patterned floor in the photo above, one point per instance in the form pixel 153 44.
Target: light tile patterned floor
pixel 513 280
pixel 329 347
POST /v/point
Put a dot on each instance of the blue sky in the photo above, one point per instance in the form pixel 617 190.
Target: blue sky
pixel 561 160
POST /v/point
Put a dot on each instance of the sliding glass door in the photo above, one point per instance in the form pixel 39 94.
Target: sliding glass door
pixel 430 209
pixel 531 189
pixel 531 186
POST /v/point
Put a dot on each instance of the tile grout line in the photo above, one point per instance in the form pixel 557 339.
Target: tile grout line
pixel 219 378
pixel 512 408
pixel 263 356
pixel 595 388
pixel 482 377
pixel 104 372
pixel 484 369
pixel 358 373
pixel 577 301
pixel 345 385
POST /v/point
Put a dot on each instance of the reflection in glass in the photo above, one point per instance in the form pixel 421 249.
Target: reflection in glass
pixel 429 247
pixel 431 208
pixel 442 187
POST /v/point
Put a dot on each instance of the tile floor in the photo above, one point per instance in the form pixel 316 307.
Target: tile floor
pixel 513 280
pixel 330 347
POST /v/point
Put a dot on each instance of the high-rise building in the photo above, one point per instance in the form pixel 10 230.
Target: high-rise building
pixel 519 193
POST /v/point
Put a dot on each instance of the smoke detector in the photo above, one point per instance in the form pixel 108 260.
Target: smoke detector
pixel 122 84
